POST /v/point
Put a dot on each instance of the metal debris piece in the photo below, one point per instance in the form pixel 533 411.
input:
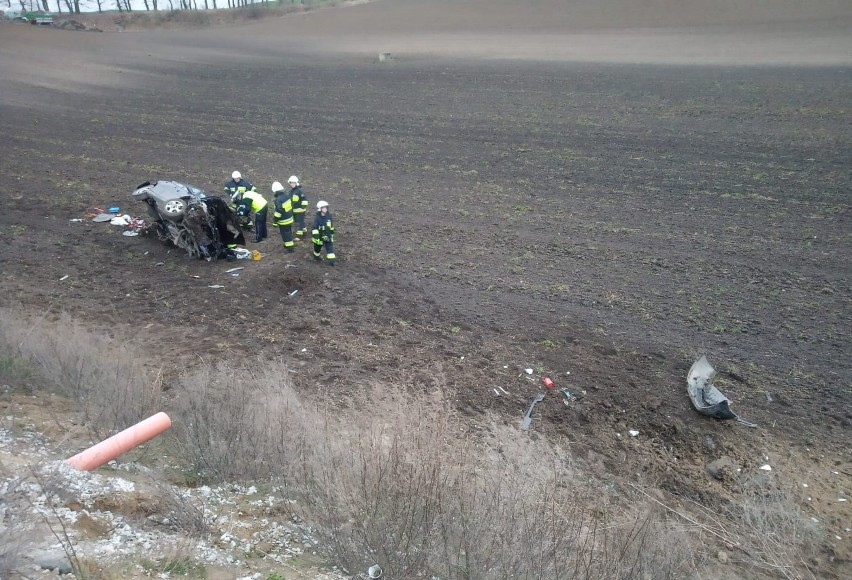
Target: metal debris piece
pixel 234 269
pixel 293 293
pixel 215 286
pixel 63 278
pixel 706 398
pixel 528 416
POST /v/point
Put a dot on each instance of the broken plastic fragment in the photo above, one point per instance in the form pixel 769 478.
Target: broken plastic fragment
pixel 528 371
pixel 293 293
pixel 633 433
pixel 215 286
pixel 65 276
pixel 766 467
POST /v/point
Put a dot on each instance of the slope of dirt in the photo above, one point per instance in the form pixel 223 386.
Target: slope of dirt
pixel 601 224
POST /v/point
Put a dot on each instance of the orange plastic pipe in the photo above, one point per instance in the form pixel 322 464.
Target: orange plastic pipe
pixel 132 437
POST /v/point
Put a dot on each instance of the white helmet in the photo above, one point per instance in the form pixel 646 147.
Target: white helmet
pixel 276 186
pixel 236 175
pixel 321 204
pixel 293 179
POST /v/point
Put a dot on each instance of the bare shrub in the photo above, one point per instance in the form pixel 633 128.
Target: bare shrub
pixel 107 382
pixel 396 479
pixel 773 532
pixel 182 512
pixel 237 423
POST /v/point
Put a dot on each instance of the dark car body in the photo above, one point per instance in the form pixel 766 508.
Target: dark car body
pixel 185 216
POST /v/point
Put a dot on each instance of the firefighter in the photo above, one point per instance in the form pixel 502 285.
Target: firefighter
pixel 323 233
pixel 235 189
pixel 300 205
pixel 282 217
pixel 253 201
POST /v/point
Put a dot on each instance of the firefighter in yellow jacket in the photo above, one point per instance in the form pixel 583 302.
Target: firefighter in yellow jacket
pixel 252 201
pixel 282 217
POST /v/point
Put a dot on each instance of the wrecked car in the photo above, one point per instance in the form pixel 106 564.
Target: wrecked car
pixel 186 217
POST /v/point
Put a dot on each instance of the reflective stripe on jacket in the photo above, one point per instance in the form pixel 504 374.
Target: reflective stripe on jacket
pixel 283 215
pixel 300 200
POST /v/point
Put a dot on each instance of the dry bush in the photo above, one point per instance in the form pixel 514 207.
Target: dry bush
pixel 407 487
pixel 774 535
pixel 237 424
pixel 182 512
pixel 397 480
pixel 107 382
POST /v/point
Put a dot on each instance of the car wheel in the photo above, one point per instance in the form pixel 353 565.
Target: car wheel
pixel 174 208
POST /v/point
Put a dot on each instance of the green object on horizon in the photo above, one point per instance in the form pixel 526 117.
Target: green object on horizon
pixel 39 18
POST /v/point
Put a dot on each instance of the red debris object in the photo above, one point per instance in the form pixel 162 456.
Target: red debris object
pixel 548 383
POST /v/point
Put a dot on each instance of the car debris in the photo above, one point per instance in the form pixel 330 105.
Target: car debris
pixel 528 416
pixel 293 293
pixel 706 398
pixel 202 225
pixel 633 432
pixel 63 278
pixel 215 286
pixel 228 271
pixel 103 217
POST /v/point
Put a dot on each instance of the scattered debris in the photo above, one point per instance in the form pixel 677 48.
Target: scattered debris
pixel 766 467
pixel 374 571
pixel 528 371
pixel 63 278
pixel 160 264
pixel 130 233
pixel 548 383
pixel 102 217
pixel 114 210
pixel 706 398
pixel 293 293
pixel 122 220
pixel 235 269
pixel 528 416
pixel 633 432
pixel 496 392
pixel 502 389
pixel 215 286
pixel 77 219
pixel 768 397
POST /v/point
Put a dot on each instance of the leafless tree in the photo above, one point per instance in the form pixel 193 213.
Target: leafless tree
pixel 73 6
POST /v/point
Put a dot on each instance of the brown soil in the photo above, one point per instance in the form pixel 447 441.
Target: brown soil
pixel 548 211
